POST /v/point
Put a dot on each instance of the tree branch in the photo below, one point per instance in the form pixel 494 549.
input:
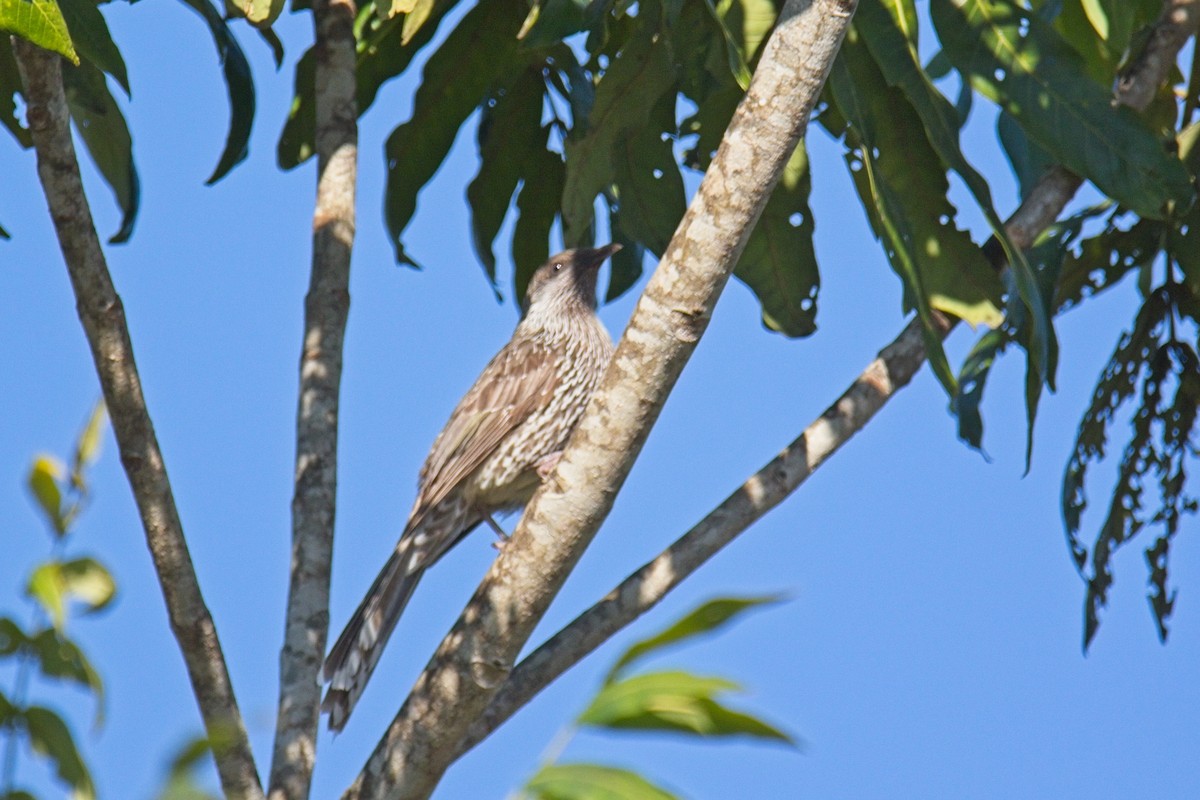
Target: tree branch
pixel 325 311
pixel 103 317
pixel 560 521
pixel 890 371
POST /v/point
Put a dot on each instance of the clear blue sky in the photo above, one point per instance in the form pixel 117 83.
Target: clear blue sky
pixel 931 647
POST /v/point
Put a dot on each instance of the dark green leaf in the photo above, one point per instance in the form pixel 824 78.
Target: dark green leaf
pixel 551 21
pixel 1100 262
pixel 239 84
pixel 102 127
pixel 640 74
pixel 592 782
pixel 39 21
pixel 1028 159
pixel 1019 61
pixel 12 637
pixel 626 262
pixel 537 206
pixel 779 263
pixel 510 137
pixel 707 618
pixel 50 737
pixel 90 34
pixel 479 54
pixel 59 657
pixel 972 380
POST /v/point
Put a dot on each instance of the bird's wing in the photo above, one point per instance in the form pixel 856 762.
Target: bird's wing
pixel 521 378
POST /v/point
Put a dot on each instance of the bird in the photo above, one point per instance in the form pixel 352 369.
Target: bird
pixel 502 439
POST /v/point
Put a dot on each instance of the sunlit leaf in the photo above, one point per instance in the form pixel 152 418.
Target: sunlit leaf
pixel 53 583
pixel 592 782
pixel 45 476
pixel 105 133
pixel 87 447
pixel 260 12
pixel 239 84
pixel 39 21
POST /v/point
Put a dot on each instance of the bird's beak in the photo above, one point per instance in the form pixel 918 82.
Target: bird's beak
pixel 594 257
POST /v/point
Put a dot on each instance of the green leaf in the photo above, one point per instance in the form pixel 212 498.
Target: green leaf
pixel 260 13
pixel 87 447
pixel 677 702
pixel 51 737
pixel 38 21
pixel 903 185
pixel 510 137
pixel 480 53
pixel 631 86
pixel 239 84
pixel 537 207
pixel 779 263
pixel 592 782
pixel 44 478
pixel 53 583
pixel 551 21
pixel 12 637
pixel 1041 81
pixel 102 127
pixel 889 29
pixel 701 621
pixel 744 25
pixel 59 657
pixel 972 379
pixel 92 39
pixel 1028 159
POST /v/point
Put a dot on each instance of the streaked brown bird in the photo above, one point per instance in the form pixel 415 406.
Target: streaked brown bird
pixel 504 437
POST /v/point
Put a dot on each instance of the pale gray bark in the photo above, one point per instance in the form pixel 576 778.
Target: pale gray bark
pixel 103 317
pixel 325 311
pixel 477 656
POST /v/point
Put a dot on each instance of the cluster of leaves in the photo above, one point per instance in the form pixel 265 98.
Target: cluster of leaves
pixel 57 588
pixel 76 29
pixel 673 701
pixel 1150 228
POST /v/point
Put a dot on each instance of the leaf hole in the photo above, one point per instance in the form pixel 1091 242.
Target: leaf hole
pixel 796 219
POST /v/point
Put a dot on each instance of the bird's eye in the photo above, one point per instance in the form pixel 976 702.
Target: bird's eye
pixel 558 267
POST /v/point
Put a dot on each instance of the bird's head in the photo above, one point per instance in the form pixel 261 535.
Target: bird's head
pixel 567 279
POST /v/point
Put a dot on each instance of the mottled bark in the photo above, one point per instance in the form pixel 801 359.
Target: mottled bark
pixel 103 317
pixel 478 654
pixel 325 311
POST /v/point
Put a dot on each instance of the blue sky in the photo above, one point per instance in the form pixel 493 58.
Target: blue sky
pixel 931 645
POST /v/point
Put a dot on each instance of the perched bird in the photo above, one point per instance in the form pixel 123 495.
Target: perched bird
pixel 504 437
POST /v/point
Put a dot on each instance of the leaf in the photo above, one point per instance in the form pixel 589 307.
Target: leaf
pixel 260 13
pixel 105 133
pixel 551 21
pixel 972 380
pixel 510 135
pixel 1041 81
pixel 779 263
pixel 890 31
pixel 479 53
pixel 677 702
pixel 903 186
pixel 40 22
pixel 87 447
pixel 239 85
pixel 12 637
pixel 50 737
pixel 701 621
pixel 53 583
pixel 744 25
pixel 44 477
pixel 91 37
pixel 59 657
pixel 537 207
pixel 631 86
pixel 1028 159
pixel 592 782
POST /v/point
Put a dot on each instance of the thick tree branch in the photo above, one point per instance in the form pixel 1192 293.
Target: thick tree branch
pixel 890 371
pixel 325 310
pixel 477 655
pixel 103 317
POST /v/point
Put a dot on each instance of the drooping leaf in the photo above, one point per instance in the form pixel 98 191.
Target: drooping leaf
pixel 1028 159
pixel 12 637
pixel 239 84
pixel 38 21
pixel 902 184
pixel 87 447
pixel 105 133
pixel 591 782
pixel 677 702
pixel 480 53
pixel 537 207
pixel 631 86
pixel 510 136
pixel 1020 62
pixel 89 32
pixel 59 657
pixel 1100 262
pixel 701 621
pixel 972 380
pixel 51 737
pixel 260 13
pixel 551 21
pixel 44 479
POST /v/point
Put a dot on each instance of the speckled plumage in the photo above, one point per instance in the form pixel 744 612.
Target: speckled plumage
pixel 516 418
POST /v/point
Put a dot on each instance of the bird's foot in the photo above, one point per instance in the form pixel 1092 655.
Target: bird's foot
pixel 547 464
pixel 502 537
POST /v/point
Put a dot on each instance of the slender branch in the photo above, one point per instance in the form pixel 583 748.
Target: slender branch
pixel 672 314
pixel 103 317
pixel 890 371
pixel 325 311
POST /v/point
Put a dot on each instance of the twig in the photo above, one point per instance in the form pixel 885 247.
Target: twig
pixel 477 655
pixel 103 319
pixel 325 311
